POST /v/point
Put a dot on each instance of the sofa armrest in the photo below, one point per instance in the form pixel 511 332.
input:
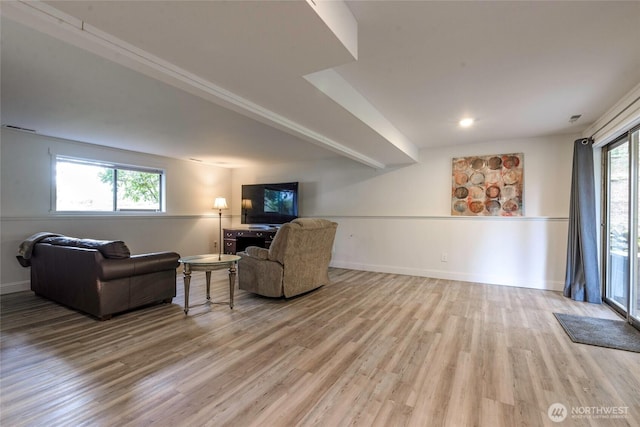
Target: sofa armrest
pixel 136 265
pixel 157 261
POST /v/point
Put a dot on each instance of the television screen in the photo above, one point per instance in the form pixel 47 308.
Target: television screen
pixel 269 203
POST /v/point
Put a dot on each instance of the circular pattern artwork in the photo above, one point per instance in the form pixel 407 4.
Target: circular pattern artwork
pixel 460 178
pixel 477 178
pixel 478 163
pixel 488 185
pixel 492 206
pixel 460 206
pixel 493 192
pixel 493 177
pixel 461 192
pixel 476 192
pixel 476 207
pixel 495 163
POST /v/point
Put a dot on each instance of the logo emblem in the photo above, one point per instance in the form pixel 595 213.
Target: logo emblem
pixel 557 412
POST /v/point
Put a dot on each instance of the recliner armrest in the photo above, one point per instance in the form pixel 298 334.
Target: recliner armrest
pixel 257 252
pixel 110 269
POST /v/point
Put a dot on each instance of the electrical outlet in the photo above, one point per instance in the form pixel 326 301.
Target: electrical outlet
pixel 444 257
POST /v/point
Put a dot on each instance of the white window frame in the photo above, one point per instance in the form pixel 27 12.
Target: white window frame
pixel 55 158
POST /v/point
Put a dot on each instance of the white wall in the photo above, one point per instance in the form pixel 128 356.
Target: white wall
pixel 395 220
pixel 398 220
pixel 189 225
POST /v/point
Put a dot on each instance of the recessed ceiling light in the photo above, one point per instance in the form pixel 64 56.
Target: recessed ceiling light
pixel 465 123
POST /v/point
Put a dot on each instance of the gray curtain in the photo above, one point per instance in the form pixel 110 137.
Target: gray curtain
pixel 582 281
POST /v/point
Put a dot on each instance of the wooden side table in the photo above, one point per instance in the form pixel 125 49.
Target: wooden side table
pixel 208 263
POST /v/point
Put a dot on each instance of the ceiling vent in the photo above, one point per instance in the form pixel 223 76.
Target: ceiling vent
pixel 574 118
pixel 19 128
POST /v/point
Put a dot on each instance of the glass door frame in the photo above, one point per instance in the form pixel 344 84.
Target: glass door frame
pixel 632 306
pixel 633 314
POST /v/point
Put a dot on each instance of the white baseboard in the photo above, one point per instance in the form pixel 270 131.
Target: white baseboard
pixel 518 282
pixel 9 288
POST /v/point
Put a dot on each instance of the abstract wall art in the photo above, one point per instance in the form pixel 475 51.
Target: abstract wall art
pixel 488 185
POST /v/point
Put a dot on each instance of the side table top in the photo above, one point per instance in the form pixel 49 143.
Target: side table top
pixel 209 259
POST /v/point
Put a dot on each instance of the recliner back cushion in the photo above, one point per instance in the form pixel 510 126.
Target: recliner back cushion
pixel 301 233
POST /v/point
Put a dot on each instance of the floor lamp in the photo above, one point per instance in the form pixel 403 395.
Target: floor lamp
pixel 220 203
pixel 246 206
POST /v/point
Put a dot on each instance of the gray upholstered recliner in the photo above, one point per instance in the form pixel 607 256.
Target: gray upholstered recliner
pixel 296 262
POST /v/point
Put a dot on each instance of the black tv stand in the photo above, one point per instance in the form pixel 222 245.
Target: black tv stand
pixel 238 239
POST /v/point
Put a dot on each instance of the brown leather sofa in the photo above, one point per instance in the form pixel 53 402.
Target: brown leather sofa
pixel 97 277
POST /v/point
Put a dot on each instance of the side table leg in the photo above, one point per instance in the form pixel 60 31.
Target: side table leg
pixel 187 282
pixel 232 283
pixel 208 274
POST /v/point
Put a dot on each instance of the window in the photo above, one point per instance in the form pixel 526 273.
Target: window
pixel 91 186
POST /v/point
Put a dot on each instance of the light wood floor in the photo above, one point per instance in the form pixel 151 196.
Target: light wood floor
pixel 369 349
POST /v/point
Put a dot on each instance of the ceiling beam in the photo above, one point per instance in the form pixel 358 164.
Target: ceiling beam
pixel 47 19
pixel 332 84
pixel 339 19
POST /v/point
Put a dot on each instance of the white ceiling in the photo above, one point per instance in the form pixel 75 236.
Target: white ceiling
pixel 228 82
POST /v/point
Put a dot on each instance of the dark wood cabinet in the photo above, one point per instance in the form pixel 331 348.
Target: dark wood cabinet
pixel 237 239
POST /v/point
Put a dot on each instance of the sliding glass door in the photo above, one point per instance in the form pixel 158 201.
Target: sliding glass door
pixel 617 260
pixel 634 288
pixel 622 228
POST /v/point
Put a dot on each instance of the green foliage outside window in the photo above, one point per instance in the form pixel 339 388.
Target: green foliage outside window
pixel 135 186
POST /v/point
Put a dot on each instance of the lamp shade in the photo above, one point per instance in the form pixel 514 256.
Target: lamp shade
pixel 220 203
pixel 246 204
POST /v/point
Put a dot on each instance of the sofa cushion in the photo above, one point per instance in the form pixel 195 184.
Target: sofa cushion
pixel 113 249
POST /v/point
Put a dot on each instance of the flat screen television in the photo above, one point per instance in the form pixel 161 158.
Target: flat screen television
pixel 268 204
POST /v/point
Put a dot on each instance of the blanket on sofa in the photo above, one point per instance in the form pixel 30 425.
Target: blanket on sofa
pixel 26 247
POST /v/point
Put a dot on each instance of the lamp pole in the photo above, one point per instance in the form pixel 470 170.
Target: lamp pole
pixel 220 203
